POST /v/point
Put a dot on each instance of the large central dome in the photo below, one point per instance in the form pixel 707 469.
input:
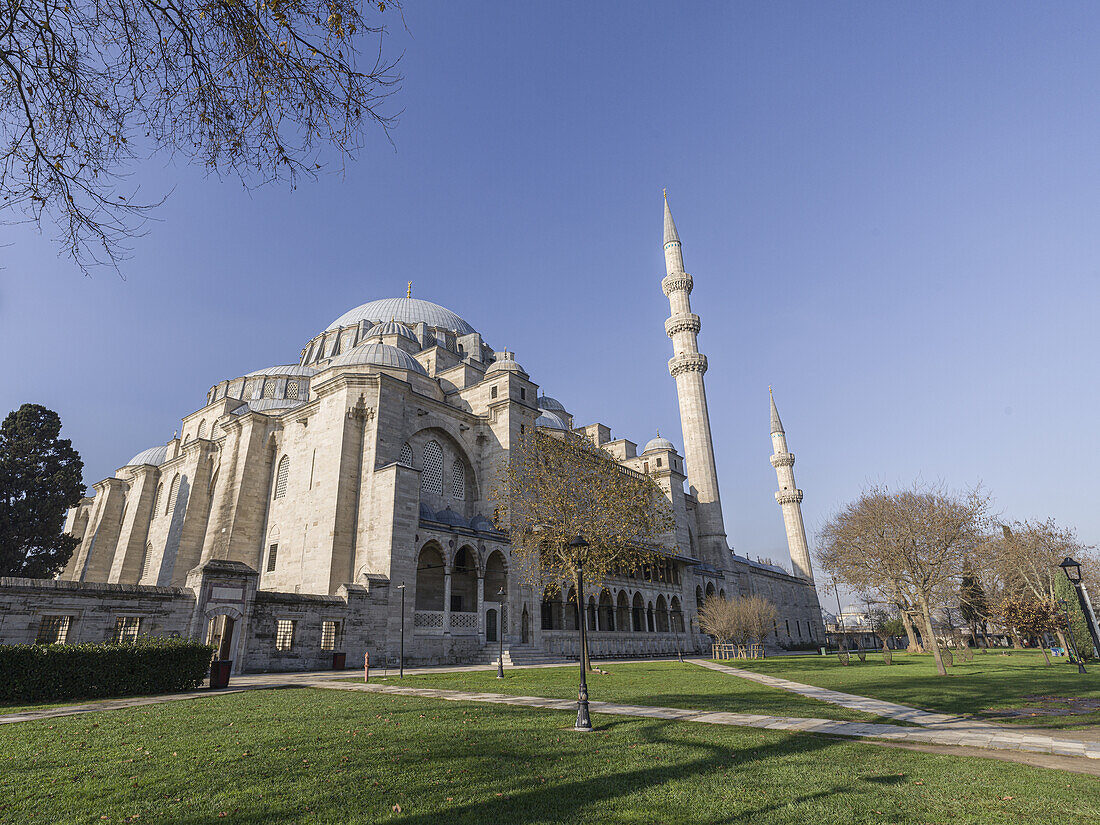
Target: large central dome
pixel 408 311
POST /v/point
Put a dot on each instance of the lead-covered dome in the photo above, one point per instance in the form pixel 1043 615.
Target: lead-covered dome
pixel 551 420
pixel 390 328
pixel 408 311
pixel 154 455
pixel 552 404
pixel 658 443
pixel 381 355
pixel 506 362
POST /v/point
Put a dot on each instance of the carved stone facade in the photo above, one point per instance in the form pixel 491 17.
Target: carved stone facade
pixel 316 506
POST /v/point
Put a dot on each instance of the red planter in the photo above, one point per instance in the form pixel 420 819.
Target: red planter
pixel 219 673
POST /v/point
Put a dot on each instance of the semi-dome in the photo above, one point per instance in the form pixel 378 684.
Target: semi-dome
pixel 506 361
pixel 408 311
pixel 381 355
pixel 426 512
pixel 390 328
pixel 658 443
pixel 154 455
pixel 552 404
pixel 551 420
pixel 483 524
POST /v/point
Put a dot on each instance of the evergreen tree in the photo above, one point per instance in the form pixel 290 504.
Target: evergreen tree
pixel 972 602
pixel 40 478
pixel 1077 629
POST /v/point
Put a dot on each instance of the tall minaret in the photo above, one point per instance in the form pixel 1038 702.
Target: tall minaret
pixel 789 498
pixel 687 367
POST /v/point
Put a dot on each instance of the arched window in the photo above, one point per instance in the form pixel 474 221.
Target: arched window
pixel 147 562
pixel 406 457
pixel 202 429
pixel 173 491
pixel 292 388
pixel 215 430
pixel 281 476
pixel 156 500
pixel 431 477
pixel 458 480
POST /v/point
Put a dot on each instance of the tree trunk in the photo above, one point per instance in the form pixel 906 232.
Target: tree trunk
pixel 1062 639
pixel 914 646
pixel 985 636
pixel 931 637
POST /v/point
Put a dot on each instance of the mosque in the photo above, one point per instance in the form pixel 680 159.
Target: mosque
pixel 334 506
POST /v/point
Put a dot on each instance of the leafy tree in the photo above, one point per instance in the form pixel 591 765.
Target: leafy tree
pixel 1077 627
pixel 909 545
pixel 1030 616
pixel 254 89
pixel 553 488
pixel 886 626
pixel 40 478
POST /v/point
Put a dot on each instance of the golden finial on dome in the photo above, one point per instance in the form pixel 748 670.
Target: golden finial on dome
pixel 409 292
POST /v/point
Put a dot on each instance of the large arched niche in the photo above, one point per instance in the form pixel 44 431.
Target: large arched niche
pixel 453 450
pixel 429 577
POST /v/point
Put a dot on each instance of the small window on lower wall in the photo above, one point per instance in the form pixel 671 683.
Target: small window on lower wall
pixel 127 629
pixel 284 634
pixel 272 552
pixel 330 635
pixel 53 630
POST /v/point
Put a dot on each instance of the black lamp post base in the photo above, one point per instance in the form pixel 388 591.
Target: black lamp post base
pixel 584 721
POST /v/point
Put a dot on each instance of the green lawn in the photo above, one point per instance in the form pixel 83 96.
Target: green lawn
pixel 662 684
pixel 325 756
pixel 1020 679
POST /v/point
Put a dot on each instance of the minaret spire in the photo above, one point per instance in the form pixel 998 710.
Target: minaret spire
pixel 688 366
pixel 789 498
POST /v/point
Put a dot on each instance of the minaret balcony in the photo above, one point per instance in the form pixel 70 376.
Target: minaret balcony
pixel 783 460
pixel 688 362
pixel 789 497
pixel 687 322
pixel 677 282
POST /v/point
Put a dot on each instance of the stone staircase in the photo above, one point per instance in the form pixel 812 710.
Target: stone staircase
pixel 519 656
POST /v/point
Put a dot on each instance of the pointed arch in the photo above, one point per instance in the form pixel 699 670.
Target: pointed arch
pixel 676 614
pixel 406 457
pixel 201 433
pixel 458 480
pixel 662 614
pixel 429 578
pixel 637 612
pixel 173 491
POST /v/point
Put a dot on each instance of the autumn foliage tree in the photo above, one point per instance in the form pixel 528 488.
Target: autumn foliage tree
pixel 256 89
pixel 554 487
pixel 910 546
pixel 1031 616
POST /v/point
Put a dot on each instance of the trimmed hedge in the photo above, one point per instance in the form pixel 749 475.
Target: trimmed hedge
pixel 45 673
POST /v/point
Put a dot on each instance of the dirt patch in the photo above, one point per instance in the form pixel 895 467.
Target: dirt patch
pixel 1046 706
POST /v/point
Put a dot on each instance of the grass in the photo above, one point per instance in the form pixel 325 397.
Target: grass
pixel 661 684
pixel 1020 679
pixel 326 756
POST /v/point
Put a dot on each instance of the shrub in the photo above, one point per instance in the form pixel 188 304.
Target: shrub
pixel 844 657
pixel 862 654
pixel 44 673
pixel 887 657
pixel 946 657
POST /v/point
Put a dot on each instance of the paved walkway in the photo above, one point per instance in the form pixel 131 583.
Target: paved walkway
pixel 936 728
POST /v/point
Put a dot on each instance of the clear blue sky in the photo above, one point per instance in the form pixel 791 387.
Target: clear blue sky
pixel 890 211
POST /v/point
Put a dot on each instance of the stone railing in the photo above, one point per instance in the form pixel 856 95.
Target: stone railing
pixel 434 623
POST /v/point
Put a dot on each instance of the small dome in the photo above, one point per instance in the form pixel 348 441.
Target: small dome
pixel 449 516
pixel 426 512
pixel 390 328
pixel 506 361
pixel 552 404
pixel 658 443
pixel 551 420
pixel 154 455
pixel 381 355
pixel 483 524
pixel 288 369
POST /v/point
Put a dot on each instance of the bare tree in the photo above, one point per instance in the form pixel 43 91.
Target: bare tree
pixel 738 621
pixel 555 487
pixel 912 544
pixel 256 89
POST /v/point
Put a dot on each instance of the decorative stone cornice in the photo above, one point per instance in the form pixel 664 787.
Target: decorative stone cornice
pixel 687 322
pixel 789 497
pixel 688 362
pixel 677 282
pixel 783 460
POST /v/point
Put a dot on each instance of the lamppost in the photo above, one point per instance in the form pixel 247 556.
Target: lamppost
pixel 500 632
pixel 1062 603
pixel 584 722
pixel 1072 570
pixel 401 660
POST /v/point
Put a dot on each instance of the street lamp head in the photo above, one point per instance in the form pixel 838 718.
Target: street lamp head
pixel 501 591
pixel 578 542
pixel 1072 569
